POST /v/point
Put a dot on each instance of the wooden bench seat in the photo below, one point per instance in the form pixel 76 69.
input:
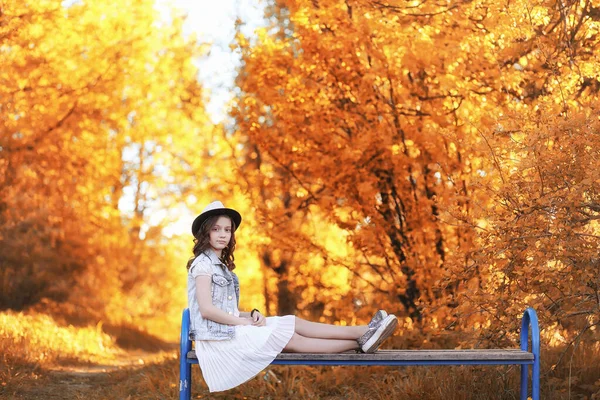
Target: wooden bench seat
pixel 521 356
pixel 404 357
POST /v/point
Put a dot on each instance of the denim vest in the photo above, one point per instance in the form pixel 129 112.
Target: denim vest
pixel 225 289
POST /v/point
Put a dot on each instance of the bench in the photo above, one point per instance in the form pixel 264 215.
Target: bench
pixel 523 357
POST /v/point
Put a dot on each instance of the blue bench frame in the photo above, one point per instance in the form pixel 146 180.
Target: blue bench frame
pixel 529 323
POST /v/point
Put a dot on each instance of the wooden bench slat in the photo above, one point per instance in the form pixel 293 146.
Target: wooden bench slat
pixel 410 355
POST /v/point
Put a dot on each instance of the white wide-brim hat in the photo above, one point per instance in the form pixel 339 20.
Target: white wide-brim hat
pixel 216 208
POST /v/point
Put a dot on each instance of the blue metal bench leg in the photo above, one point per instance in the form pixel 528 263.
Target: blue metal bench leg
pixel 524 379
pixel 535 390
pixel 530 320
pixel 185 368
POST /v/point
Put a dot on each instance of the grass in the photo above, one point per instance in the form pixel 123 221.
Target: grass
pixel 42 360
pixel 159 381
pixel 37 338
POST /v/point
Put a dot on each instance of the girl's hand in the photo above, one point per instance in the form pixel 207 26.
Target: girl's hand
pixel 259 319
pixel 246 321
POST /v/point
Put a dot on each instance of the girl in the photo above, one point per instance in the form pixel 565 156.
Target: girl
pixel 234 346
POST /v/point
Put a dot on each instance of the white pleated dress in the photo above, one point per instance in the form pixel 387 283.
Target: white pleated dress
pixel 226 364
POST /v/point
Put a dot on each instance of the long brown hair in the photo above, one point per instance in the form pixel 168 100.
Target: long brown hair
pixel 202 242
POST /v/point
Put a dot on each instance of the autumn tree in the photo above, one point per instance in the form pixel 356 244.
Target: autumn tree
pixel 539 237
pixel 376 111
pixel 281 234
pixel 102 122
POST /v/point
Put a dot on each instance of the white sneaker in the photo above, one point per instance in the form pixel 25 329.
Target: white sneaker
pixel 376 335
pixel 379 316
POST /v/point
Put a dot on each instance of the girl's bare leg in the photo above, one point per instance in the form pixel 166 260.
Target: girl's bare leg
pixel 310 329
pixel 303 344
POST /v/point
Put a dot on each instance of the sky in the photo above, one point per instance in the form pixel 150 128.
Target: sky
pixel 214 22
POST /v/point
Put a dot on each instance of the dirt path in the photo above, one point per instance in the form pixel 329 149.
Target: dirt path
pixel 135 375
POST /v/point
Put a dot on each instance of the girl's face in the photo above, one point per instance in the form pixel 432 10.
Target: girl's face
pixel 220 234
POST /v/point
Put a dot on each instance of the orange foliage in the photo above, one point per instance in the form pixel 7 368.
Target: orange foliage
pixel 99 105
pixel 436 159
pixel 379 116
pixel 539 236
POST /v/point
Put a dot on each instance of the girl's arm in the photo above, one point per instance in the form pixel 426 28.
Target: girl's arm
pixel 257 320
pixel 209 310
